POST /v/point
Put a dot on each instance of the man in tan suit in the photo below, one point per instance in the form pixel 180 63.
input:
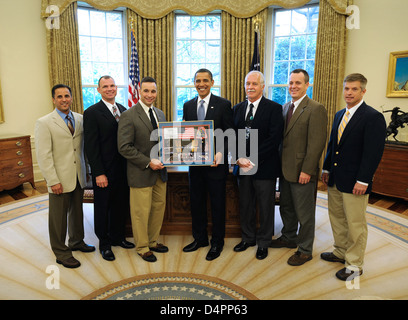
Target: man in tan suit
pixel 147 177
pixel 59 148
pixel 304 139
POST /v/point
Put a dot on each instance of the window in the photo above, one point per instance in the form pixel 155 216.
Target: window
pixel 102 43
pixel 198 45
pixel 293 47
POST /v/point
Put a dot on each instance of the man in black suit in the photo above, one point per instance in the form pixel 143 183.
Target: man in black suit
pixel 108 168
pixel 258 169
pixel 354 151
pixel 208 179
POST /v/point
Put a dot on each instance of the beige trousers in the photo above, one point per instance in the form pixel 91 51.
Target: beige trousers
pixel 147 207
pixel 347 213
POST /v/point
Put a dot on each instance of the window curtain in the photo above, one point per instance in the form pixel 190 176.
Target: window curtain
pixel 238 42
pixel 154 43
pixel 63 55
pixel 330 60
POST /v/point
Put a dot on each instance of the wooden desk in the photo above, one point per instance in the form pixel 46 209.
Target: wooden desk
pixel 391 177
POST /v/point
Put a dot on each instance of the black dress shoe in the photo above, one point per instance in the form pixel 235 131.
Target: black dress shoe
pixel 281 243
pixel 329 256
pixel 161 248
pixel 194 246
pixel 242 246
pixel 83 248
pixel 69 263
pixel 214 253
pixel 347 274
pixel 124 244
pixel 108 255
pixel 261 253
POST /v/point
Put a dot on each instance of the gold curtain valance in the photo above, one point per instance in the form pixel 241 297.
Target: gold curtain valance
pixel 158 9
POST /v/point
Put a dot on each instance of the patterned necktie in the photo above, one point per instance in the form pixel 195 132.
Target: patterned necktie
pixel 115 113
pixel 289 115
pixel 152 119
pixel 343 126
pixel 70 125
pixel 250 116
pixel 201 111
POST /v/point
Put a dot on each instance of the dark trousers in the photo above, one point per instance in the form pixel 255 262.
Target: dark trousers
pixel 202 185
pixel 251 193
pixel 111 209
pixel 65 213
pixel 297 209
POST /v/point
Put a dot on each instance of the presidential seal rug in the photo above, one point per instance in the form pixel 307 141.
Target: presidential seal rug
pixel 172 286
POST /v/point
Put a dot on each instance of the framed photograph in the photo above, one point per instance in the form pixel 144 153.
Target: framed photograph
pixel 187 143
pixel 397 85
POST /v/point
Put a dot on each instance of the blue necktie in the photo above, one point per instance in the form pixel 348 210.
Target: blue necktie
pixel 201 111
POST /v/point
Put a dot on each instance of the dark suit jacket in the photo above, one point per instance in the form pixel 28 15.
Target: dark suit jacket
pixel 100 141
pixel 135 145
pixel 219 110
pixel 359 152
pixel 268 121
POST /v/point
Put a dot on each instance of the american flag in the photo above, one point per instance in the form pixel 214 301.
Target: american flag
pixel 134 78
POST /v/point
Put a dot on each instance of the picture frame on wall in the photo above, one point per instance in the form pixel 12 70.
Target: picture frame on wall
pixel 397 86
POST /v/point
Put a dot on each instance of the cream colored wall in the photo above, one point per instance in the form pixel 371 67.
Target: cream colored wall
pixel 23 68
pixel 383 26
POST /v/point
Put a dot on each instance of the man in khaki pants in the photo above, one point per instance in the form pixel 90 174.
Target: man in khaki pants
pixel 354 151
pixel 147 177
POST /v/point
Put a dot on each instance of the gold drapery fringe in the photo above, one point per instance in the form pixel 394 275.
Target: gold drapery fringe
pixel 330 61
pixel 154 43
pixel 238 39
pixel 159 9
pixel 63 55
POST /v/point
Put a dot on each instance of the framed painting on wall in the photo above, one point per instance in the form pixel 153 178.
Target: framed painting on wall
pixel 397 85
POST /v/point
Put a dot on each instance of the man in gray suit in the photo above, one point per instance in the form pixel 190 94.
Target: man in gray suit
pixel 147 177
pixel 59 146
pixel 304 139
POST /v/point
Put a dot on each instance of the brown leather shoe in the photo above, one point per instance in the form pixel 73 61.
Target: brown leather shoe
pixel 69 263
pixel 299 258
pixel 347 274
pixel 329 256
pixel 148 256
pixel 84 248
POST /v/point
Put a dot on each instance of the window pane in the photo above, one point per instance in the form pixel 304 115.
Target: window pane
pixel 114 25
pixel 115 70
pixel 279 94
pixel 198 51
pixel 98 25
pixel 86 73
pixel 213 28
pixel 183 74
pixel 282 48
pixel 85 48
pixel 213 51
pixel 299 21
pixel 282 24
pixel 88 96
pixel 280 73
pixel 183 27
pixel 99 70
pixel 297 65
pixel 313 19
pixel 311 47
pixel 183 51
pixel 84 27
pixel 115 50
pixel 297 49
pixel 198 27
pixel 99 49
pixel 310 69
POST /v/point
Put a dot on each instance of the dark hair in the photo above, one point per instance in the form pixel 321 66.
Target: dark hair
pixel 104 77
pixel 203 70
pixel 356 77
pixel 304 73
pixel 147 79
pixel 58 86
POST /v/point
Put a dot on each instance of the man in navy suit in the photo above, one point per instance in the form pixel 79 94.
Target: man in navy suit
pixel 257 175
pixel 354 151
pixel 210 180
pixel 108 168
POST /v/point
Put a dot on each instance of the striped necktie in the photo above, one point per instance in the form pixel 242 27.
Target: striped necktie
pixel 70 125
pixel 115 113
pixel 343 126
pixel 201 111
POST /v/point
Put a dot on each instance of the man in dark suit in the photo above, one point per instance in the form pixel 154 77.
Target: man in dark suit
pixel 147 177
pixel 303 142
pixel 108 168
pixel 354 151
pixel 210 180
pixel 257 175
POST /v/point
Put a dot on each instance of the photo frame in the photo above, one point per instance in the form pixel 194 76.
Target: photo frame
pixel 1 106
pixel 397 86
pixel 186 143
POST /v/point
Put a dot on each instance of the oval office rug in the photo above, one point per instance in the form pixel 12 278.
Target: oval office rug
pixel 172 286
